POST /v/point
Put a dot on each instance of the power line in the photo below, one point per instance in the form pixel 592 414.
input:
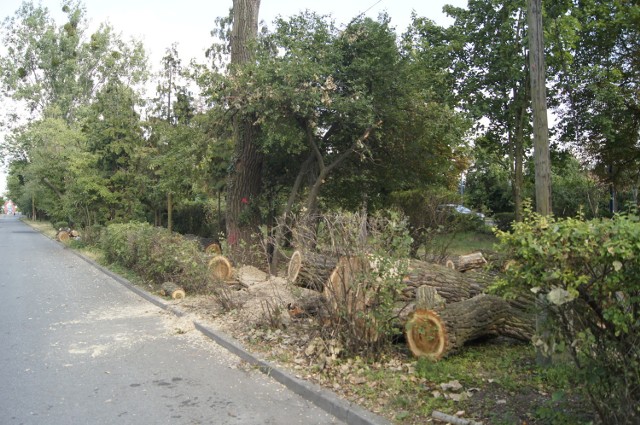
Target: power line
pixel 362 13
pixel 370 7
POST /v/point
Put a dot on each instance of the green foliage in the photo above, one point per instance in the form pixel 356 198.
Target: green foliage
pixel 493 82
pixel 317 90
pixel 56 71
pixel 156 254
pixel 587 277
pixel 488 180
pixel 91 234
pixel 504 220
pixel 47 64
pixel 60 225
pixel 599 82
pixel 576 190
pixel 432 225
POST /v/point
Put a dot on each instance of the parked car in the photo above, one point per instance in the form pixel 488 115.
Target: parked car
pixel 460 209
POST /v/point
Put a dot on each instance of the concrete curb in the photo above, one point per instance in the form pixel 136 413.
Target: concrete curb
pixel 326 400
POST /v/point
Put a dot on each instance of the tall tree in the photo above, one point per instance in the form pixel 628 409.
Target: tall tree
pixel 494 78
pixel 169 128
pixel 600 74
pixel 539 107
pixel 56 72
pixel 47 64
pixel 245 180
pixel 114 135
pixel 340 109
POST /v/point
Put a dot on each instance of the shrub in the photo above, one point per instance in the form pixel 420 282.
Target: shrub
pixel 504 220
pixel 587 277
pixel 91 234
pixel 156 254
pixel 430 218
pixel 60 225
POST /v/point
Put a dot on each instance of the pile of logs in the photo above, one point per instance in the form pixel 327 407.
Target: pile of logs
pixel 443 307
pixel 64 234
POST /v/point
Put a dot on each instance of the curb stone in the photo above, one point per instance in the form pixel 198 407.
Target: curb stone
pixel 326 400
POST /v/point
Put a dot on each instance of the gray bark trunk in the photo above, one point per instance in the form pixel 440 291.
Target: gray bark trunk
pixel 539 105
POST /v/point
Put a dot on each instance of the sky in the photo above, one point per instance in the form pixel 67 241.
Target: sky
pixel 159 23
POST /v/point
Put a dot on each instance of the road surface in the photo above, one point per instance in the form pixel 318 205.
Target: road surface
pixel 77 347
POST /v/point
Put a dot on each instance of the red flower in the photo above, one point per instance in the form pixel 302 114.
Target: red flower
pixel 244 200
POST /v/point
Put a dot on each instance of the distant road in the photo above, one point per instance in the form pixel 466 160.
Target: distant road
pixel 77 347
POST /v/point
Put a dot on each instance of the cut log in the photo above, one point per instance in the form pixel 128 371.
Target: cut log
pixel 466 262
pixel 220 268
pixel 295 263
pixel 213 248
pixel 427 298
pixel 449 284
pixel 63 236
pixel 440 332
pixel 170 289
pixel 310 270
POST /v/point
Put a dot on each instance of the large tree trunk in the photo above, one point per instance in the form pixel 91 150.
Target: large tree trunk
pixel 442 331
pixel 451 285
pixel 220 269
pixel 450 307
pixel 245 180
pixel 310 270
pixel 542 158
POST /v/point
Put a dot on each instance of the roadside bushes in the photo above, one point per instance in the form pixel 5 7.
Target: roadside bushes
pixel 504 220
pixel 156 254
pixel 587 277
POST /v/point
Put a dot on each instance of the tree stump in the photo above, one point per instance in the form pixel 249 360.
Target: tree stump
pixel 440 332
pixel 310 270
pixel 63 235
pixel 213 248
pixel 220 268
pixel 170 289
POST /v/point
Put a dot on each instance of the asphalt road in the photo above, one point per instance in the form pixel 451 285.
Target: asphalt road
pixel 77 347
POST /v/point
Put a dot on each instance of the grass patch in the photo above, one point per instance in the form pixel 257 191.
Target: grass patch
pixel 43 227
pixel 467 242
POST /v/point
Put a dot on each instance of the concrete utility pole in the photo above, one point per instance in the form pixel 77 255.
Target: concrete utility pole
pixel 539 106
pixel 540 142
